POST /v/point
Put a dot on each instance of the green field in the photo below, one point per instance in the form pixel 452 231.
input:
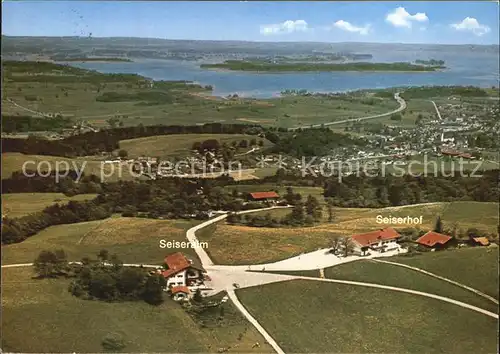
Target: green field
pixel 58 322
pixel 13 161
pixel 180 145
pixel 476 267
pixel 19 204
pixel 241 244
pixel 386 274
pixel 136 240
pixel 313 317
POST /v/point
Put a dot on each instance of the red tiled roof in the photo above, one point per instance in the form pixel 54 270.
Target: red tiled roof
pixel 264 195
pixel 450 152
pixel 466 155
pixel 180 289
pixel 176 262
pixel 431 238
pixel 482 240
pixel 369 238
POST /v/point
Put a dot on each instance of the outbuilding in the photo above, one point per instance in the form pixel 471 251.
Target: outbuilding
pixel 434 240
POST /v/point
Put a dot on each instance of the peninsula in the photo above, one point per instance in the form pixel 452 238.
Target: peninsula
pixel 242 65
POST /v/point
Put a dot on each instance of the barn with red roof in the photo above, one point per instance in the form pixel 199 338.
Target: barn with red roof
pixel 434 239
pixel 263 196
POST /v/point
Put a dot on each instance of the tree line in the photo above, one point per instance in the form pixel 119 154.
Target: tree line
pixel 102 278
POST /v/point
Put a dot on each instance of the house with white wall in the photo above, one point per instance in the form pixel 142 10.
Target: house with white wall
pixel 183 273
pixel 381 240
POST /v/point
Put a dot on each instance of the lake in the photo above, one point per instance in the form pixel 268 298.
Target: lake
pixel 465 66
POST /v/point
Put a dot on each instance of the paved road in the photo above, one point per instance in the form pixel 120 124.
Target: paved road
pixel 248 152
pixel 402 107
pixel 26 109
pixel 255 323
pixel 202 254
pixel 437 110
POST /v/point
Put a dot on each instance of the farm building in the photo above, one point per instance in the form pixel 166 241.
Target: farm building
pixel 380 240
pixel 263 196
pixel 480 241
pixel 180 293
pixel 182 273
pixel 434 240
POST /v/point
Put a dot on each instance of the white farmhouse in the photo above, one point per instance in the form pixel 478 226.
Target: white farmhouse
pixel 380 240
pixel 183 276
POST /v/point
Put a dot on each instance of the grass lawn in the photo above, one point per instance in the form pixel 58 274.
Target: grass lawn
pixel 134 240
pixel 19 204
pixel 42 316
pixel 313 317
pixel 386 274
pixel 179 145
pixel 476 267
pixel 240 244
pixel 13 161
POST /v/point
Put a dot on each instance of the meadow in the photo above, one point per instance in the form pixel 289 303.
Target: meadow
pixel 180 145
pixel 386 274
pixel 20 204
pixel 476 267
pixel 13 161
pixel 312 317
pixel 59 322
pixel 135 240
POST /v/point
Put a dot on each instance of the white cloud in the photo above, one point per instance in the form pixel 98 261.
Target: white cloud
pixel 346 26
pixel 401 18
pixel 472 25
pixel 285 27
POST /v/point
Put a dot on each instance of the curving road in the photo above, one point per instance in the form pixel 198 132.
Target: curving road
pixel 437 110
pixel 397 97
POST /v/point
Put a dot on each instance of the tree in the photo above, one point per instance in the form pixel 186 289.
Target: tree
pixel 313 208
pixel 198 297
pixel 123 153
pixel 438 226
pixel 336 242
pixel 153 289
pixel 243 144
pixel 289 195
pixel 103 286
pixel 103 255
pixel 197 146
pixel 297 215
pixel 329 209
pixel 50 264
pixel 347 245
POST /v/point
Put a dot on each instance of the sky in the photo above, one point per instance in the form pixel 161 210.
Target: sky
pixel 384 22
